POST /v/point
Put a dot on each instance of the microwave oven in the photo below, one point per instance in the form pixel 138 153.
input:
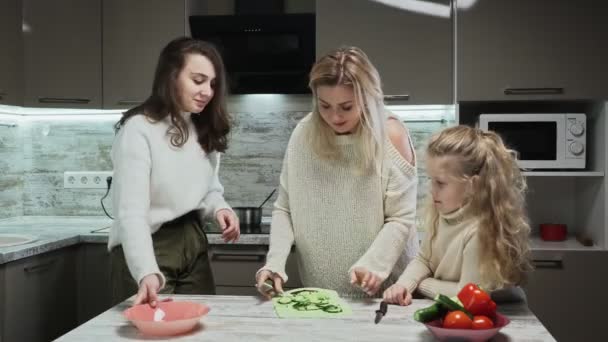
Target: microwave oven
pixel 542 140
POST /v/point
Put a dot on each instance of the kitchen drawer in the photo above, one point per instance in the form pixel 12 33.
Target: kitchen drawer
pixel 567 293
pixel 236 265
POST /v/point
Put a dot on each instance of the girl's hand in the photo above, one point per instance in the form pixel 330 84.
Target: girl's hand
pixel 265 275
pixel 368 281
pixel 148 290
pixel 229 224
pixel 397 294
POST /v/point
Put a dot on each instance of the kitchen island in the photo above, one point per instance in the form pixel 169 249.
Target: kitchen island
pixel 249 318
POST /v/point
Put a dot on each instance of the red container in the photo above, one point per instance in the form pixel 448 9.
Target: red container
pixel 553 231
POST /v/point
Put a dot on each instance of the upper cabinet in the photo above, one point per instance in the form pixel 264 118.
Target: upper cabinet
pixel 134 33
pixel 62 53
pixel 11 56
pixel 529 50
pixel 410 46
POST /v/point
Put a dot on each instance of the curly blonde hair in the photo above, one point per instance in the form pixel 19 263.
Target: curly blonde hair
pixel 498 200
pixel 351 67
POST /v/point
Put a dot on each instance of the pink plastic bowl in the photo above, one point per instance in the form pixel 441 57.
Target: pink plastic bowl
pixel 180 317
pixel 467 334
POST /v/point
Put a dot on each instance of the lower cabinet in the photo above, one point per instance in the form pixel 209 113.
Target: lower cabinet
pixel 45 296
pixel 567 292
pixel 94 290
pixel 38 302
pixel 234 268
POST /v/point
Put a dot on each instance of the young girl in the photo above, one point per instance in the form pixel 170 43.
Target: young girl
pixel 477 230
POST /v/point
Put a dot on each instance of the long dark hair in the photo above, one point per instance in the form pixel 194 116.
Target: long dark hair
pixel 213 123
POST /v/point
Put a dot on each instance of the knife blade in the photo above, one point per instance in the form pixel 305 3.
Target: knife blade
pixel 381 311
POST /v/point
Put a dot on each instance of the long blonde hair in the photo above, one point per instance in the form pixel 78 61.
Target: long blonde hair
pixel 497 199
pixel 351 67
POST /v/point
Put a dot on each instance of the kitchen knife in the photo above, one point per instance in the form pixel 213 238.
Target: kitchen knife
pixel 381 312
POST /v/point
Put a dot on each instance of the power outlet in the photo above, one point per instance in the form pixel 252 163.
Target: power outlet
pixel 85 179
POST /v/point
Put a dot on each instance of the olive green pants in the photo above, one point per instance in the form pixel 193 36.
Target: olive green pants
pixel 180 247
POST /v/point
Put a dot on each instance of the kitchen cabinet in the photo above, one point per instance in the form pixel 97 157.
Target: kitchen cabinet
pixel 577 198
pixel 567 292
pixel 38 301
pixel 94 282
pixel 62 53
pixel 234 268
pixel 412 50
pixel 523 50
pixel 11 57
pixel 134 33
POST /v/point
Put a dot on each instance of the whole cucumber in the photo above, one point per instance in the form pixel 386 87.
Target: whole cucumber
pixel 430 313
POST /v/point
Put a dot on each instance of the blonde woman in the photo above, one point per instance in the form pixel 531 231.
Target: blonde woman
pixel 477 227
pixel 347 195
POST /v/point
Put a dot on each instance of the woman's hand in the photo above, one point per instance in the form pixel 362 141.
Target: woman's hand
pixel 265 275
pixel 229 224
pixel 368 281
pixel 397 294
pixel 148 290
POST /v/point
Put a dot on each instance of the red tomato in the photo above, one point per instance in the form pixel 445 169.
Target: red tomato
pixel 457 320
pixel 482 322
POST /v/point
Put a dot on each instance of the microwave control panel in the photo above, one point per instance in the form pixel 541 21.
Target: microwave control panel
pixel 575 136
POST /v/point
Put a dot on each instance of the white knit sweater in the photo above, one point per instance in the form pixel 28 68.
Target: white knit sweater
pixel 340 219
pixel 155 182
pixel 449 262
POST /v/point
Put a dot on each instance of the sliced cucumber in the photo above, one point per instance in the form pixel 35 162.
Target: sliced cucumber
pixel 284 300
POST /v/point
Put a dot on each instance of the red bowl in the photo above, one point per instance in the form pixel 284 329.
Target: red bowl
pixel 178 318
pixel 553 232
pixel 443 334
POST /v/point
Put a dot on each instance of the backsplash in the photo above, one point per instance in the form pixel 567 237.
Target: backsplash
pixel 35 153
pixel 11 170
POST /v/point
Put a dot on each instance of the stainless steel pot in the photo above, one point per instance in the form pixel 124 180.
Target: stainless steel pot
pixel 249 217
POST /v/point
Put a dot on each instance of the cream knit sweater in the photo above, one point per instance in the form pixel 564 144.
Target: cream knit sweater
pixel 339 219
pixel 449 262
pixel 155 182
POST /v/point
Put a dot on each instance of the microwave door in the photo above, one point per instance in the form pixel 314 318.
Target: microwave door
pixel 541 149
pixel 535 141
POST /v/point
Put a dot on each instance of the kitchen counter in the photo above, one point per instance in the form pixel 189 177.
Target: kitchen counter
pixel 245 318
pixel 55 232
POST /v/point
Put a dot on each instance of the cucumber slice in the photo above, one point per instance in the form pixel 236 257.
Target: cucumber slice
pixel 284 300
pixel 332 309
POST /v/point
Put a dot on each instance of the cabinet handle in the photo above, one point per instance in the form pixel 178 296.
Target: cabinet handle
pixel 2 95
pixel 7 124
pixel 238 257
pixel 404 97
pixel 129 102
pixel 63 100
pixel 548 264
pixel 534 91
pixel 40 267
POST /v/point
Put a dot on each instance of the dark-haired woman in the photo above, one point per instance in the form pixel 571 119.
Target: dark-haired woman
pixel 166 157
